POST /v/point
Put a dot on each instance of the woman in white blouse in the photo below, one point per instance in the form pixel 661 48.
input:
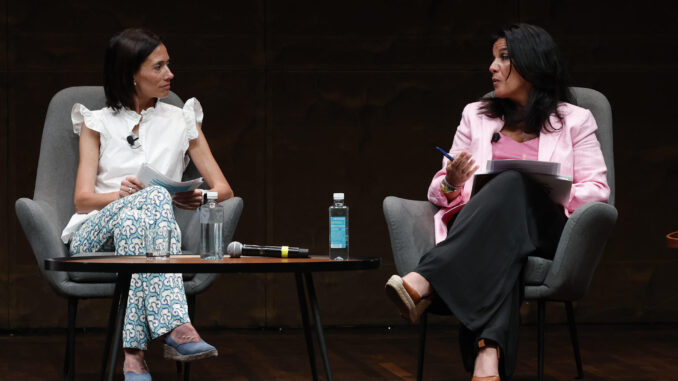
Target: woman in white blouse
pixel 113 208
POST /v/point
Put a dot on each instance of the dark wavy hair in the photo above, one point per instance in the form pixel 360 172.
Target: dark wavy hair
pixel 536 57
pixel 125 53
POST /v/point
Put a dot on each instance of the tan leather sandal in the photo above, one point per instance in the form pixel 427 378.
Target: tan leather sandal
pixel 410 304
pixel 488 378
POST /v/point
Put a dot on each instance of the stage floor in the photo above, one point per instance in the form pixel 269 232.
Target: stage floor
pixel 609 352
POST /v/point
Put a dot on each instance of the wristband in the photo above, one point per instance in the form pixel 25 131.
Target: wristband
pixel 446 187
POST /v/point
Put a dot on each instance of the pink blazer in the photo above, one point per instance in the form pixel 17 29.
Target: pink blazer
pixel 573 145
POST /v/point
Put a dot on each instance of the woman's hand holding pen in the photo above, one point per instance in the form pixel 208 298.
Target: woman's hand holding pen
pixel 460 169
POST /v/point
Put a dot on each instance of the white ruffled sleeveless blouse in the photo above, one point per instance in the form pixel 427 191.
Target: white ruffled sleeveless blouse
pixel 164 135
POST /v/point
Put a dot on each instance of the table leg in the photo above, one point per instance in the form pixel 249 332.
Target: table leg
pixel 318 324
pixel 123 283
pixel 109 331
pixel 301 291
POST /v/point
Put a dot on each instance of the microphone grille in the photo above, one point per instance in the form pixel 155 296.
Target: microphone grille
pixel 234 249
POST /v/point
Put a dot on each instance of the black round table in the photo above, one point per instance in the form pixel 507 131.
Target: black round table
pixel 125 266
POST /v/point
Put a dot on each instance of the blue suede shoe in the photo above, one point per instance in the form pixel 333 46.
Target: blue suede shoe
pixel 188 351
pixel 131 376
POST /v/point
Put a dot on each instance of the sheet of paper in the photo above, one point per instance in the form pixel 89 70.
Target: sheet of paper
pixel 149 176
pixel 529 166
pixel 544 173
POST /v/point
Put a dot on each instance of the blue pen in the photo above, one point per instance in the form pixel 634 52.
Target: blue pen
pixel 447 155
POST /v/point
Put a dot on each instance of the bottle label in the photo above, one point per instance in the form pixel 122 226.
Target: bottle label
pixel 338 232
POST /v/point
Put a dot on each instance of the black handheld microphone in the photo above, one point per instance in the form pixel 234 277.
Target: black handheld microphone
pixel 495 137
pixel 235 249
pixel 131 139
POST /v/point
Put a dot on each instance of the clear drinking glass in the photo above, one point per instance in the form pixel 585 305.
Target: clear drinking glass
pixel 157 241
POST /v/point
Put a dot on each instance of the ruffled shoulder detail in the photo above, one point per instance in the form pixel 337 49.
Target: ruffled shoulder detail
pixel 192 115
pixel 80 114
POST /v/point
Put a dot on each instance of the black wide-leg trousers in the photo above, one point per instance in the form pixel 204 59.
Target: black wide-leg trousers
pixel 476 270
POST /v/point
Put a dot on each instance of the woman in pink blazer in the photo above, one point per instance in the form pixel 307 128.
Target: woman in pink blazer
pixel 482 243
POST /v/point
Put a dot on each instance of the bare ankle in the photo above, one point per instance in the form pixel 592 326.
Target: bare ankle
pixel 418 283
pixel 487 362
pixel 134 360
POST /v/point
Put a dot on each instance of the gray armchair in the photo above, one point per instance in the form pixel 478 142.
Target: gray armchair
pixel 45 215
pixel 566 278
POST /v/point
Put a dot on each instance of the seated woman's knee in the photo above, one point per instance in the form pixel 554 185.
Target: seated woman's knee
pixel 509 180
pixel 502 190
pixel 156 191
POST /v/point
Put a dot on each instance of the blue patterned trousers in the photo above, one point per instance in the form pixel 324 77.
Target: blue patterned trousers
pixel 157 302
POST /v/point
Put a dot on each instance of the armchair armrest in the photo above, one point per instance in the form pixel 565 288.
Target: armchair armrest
pixel 410 227
pixel 189 222
pixel 232 210
pixel 579 251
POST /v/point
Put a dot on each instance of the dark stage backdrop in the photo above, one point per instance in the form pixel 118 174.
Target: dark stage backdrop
pixel 303 99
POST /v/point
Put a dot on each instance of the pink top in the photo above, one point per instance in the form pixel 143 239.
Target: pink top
pixel 507 148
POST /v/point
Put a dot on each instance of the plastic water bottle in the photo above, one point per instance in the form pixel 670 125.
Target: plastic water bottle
pixel 338 228
pixel 211 228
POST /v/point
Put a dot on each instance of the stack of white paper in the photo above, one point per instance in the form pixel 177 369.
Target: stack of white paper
pixel 546 173
pixel 149 176
pixel 529 166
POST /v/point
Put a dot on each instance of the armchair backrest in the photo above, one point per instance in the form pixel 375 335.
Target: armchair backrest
pixel 59 153
pixel 599 106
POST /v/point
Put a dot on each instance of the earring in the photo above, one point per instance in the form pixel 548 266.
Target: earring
pixel 135 82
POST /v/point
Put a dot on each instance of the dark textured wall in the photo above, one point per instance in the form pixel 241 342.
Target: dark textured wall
pixel 303 99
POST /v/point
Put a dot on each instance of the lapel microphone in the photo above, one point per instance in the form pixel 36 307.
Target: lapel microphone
pixel 495 137
pixel 131 139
